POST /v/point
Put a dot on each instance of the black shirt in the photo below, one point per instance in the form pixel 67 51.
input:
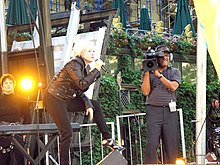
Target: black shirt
pixel 13 108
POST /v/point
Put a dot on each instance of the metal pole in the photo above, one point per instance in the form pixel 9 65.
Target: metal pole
pixel 4 60
pixel 129 136
pixel 118 130
pixel 46 60
pixel 47 153
pixel 182 132
pixel 201 59
pixel 140 140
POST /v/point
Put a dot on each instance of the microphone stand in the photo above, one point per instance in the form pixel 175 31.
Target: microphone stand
pixel 36 110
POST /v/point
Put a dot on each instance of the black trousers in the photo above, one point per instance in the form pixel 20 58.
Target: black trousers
pixel 161 123
pixel 58 110
pixel 13 156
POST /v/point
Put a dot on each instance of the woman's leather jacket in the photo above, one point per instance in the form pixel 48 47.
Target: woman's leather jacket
pixel 72 81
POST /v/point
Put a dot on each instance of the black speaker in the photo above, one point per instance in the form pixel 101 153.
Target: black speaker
pixel 113 158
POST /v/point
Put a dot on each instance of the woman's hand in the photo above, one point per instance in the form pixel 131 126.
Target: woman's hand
pixel 89 111
pixel 98 64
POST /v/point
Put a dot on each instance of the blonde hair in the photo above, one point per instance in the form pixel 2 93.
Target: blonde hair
pixel 81 45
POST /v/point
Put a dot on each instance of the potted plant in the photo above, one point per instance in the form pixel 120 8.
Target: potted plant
pixel 146 40
pixel 140 41
pixel 120 37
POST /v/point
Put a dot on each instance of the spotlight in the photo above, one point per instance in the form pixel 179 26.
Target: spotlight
pixel 26 84
pixel 180 161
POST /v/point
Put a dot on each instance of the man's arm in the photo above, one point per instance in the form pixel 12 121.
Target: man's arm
pixel 145 86
pixel 172 85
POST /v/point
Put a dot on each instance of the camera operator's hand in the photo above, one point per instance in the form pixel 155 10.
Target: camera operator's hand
pixel 157 73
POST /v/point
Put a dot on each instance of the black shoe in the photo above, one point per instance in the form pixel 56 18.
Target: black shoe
pixel 112 144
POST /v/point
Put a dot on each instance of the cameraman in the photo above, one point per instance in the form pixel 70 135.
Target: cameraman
pixel 162 117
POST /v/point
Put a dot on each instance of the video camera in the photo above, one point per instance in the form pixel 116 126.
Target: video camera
pixel 150 60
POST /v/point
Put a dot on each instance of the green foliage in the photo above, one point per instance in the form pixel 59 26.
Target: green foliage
pixel 109 97
pixel 15 35
pixel 211 72
pixel 186 95
pixel 183 46
pixel 189 73
pixel 158 40
pixel 134 43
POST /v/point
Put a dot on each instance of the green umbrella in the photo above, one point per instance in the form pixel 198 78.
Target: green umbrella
pixel 33 8
pixel 182 18
pixel 144 20
pixel 17 13
pixel 121 6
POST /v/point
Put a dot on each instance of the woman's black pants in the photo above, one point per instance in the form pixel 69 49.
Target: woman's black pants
pixel 59 109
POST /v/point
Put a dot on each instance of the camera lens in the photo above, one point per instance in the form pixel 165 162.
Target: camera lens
pixel 150 64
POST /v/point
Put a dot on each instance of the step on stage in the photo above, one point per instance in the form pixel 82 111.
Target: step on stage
pixel 114 157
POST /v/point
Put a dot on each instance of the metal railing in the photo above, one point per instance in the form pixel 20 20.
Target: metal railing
pixel 50 157
pixel 132 139
pixel 141 132
pixel 136 117
pixel 90 142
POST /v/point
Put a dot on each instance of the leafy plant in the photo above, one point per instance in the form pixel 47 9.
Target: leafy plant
pixel 134 43
pixel 146 40
pixel 120 37
pixel 15 35
pixel 183 46
pixel 158 40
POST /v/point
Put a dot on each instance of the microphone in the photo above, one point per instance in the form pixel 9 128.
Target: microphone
pixel 104 68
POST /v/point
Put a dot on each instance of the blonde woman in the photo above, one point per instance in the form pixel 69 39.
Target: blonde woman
pixel 66 93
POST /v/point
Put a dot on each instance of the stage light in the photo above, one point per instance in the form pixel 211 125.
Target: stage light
pixel 180 161
pixel 26 84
